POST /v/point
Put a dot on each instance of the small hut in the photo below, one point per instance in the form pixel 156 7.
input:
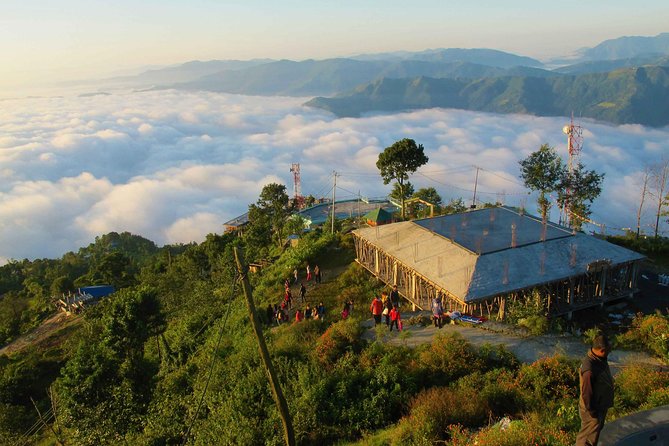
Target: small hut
pixel 378 217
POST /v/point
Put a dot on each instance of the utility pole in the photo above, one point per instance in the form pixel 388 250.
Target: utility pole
pixel 476 182
pixel 359 197
pixel 279 399
pixel 334 194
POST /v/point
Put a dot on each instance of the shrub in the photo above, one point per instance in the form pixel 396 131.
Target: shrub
pixel 498 356
pixel 590 334
pixel 551 378
pixel 497 389
pixel 435 409
pixel 535 324
pixel 448 358
pixel 528 431
pixel 339 338
pixel 650 332
pixel 525 308
pixel 295 340
pixel 656 398
pixel 635 384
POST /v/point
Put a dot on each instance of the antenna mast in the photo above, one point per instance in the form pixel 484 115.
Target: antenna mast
pixel 297 185
pixel 574 144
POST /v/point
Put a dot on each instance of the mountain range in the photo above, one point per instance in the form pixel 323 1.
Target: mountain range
pixel 621 80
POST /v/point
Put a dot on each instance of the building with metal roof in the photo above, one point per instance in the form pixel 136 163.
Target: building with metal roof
pixel 478 260
pixel 377 217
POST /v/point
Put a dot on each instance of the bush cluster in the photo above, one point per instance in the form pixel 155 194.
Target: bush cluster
pixel 650 332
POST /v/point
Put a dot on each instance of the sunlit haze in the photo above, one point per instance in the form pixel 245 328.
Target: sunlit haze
pixel 174 165
pixel 44 41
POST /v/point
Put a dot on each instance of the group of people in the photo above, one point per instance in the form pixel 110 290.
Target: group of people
pixel 311 274
pixel 388 306
pixel 280 313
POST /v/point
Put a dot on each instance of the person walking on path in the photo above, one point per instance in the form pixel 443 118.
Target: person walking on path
pixel 395 296
pixel 269 313
pixel 437 311
pixel 345 311
pixel 303 292
pixel 321 311
pixel 307 312
pixel 377 309
pixel 596 385
pixel 387 306
pixel 395 318
pixel 308 273
pixel 317 274
pixel 295 276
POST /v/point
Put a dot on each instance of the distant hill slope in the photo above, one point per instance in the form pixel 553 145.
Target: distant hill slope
pixel 631 95
pixel 480 56
pixel 626 47
pixel 187 72
pixel 604 66
pixel 325 77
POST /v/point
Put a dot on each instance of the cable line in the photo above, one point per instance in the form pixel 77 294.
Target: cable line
pixel 213 361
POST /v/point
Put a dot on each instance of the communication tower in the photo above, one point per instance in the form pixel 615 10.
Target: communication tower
pixel 574 144
pixel 297 185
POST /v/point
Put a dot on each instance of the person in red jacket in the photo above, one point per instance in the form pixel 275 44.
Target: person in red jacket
pixel 299 316
pixel 377 309
pixel 394 318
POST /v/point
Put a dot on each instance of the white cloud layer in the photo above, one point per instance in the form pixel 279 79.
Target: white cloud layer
pixel 173 166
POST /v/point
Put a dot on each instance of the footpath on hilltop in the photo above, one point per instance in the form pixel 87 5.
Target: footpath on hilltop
pixel 526 348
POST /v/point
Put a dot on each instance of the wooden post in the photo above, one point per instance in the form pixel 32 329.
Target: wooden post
pixel 282 405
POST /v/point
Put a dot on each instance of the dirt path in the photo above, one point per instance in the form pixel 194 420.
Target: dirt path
pixel 526 349
pixel 40 334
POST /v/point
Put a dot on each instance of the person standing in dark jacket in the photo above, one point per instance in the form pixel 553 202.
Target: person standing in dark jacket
pixel 395 297
pixel 596 385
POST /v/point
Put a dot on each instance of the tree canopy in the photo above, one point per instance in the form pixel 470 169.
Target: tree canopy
pixel 578 189
pixel 545 172
pixel 398 161
pixel 267 217
pixel 542 171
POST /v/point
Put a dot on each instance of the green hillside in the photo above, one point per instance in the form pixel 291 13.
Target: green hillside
pixel 170 357
pixel 625 96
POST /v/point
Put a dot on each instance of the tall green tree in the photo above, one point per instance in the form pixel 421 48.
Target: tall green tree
pixel 455 206
pixel 402 193
pixel 267 218
pixel 400 160
pixel 105 387
pixel 578 189
pixel 430 195
pixel 543 171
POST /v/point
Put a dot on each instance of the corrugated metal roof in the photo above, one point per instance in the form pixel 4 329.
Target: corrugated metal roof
pixel 451 263
pixel 378 215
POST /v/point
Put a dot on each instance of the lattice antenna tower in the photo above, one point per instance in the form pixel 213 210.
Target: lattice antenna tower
pixel 574 144
pixel 297 186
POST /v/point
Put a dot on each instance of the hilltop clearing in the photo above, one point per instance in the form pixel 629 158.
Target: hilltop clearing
pixel 527 349
pixel 50 332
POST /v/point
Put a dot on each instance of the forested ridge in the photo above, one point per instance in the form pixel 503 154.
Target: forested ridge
pixel 170 357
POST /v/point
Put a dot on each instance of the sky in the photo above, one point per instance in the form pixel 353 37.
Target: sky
pixel 173 166
pixel 43 41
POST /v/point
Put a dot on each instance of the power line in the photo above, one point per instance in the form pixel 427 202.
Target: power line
pixel 470 190
pixel 500 176
pixel 213 360
pixel 35 428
